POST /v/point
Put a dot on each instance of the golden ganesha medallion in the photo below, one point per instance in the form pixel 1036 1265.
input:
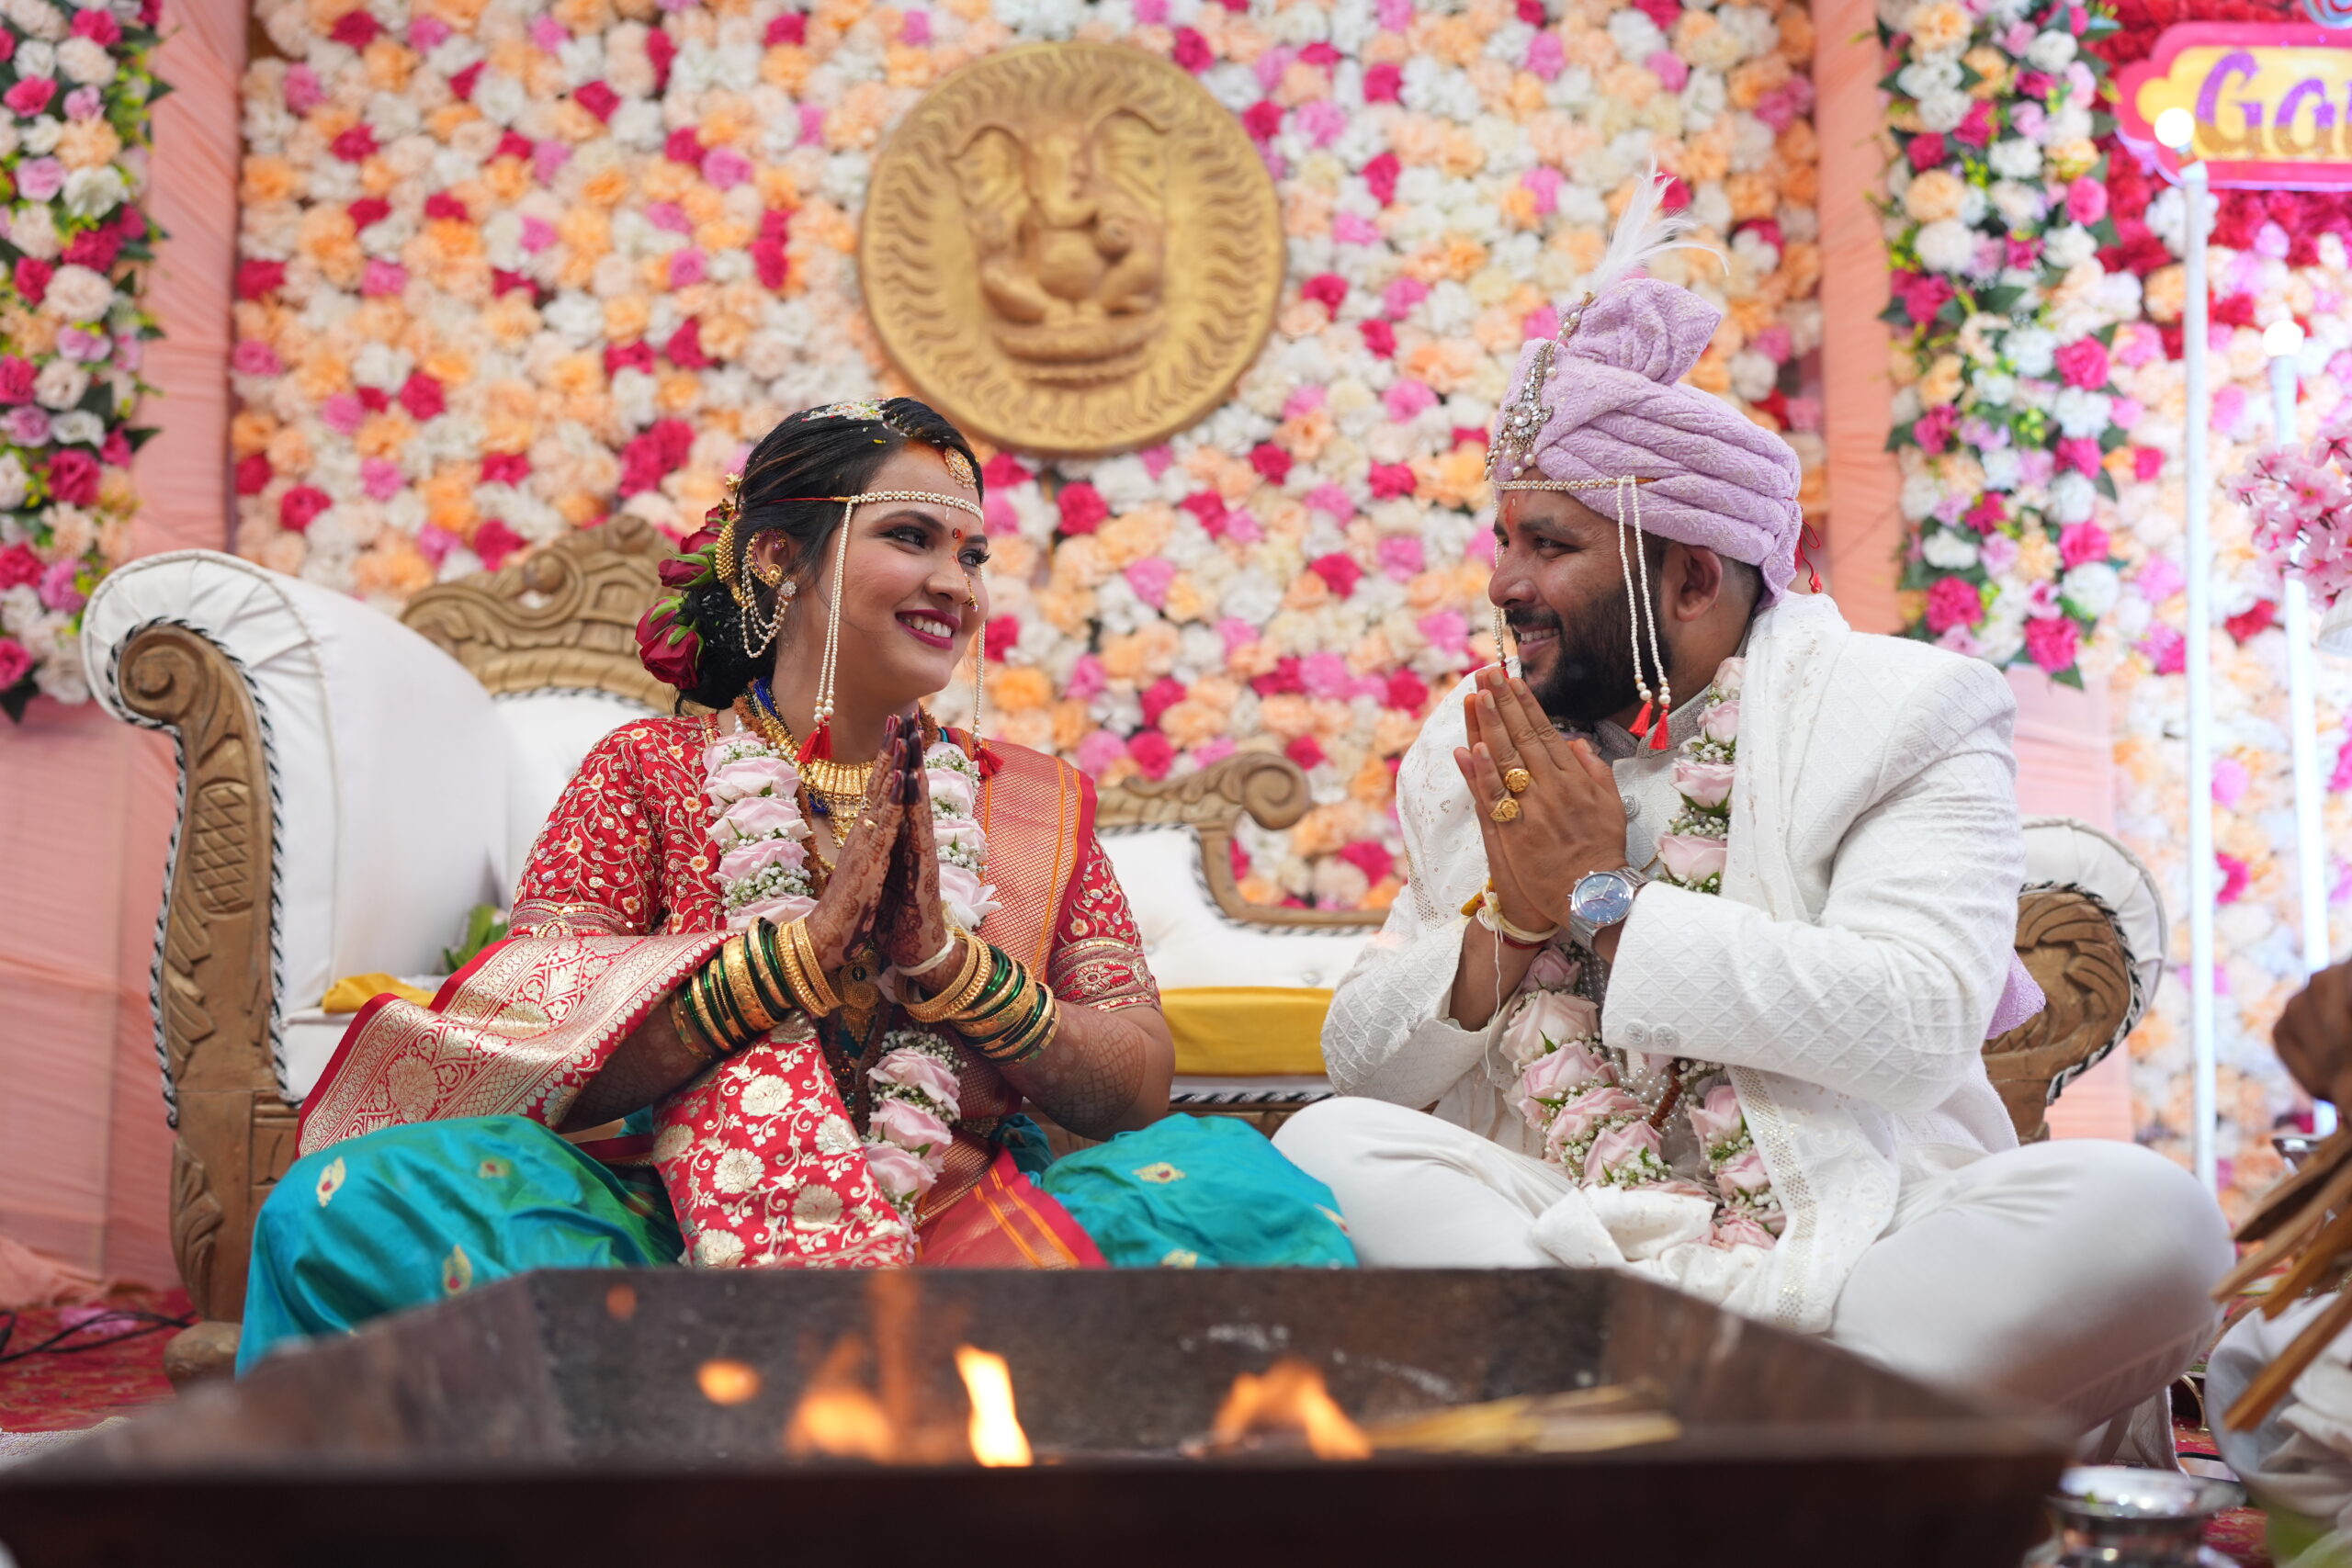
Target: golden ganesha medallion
pixel 1072 248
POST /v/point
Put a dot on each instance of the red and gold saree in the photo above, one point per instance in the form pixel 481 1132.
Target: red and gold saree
pixel 761 1155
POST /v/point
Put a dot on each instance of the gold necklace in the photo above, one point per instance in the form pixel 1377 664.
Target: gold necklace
pixel 841 786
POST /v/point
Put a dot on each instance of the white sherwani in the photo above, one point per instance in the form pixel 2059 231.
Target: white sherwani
pixel 1845 976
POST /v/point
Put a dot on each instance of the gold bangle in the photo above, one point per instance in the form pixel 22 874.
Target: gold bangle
pixel 1005 1012
pixel 820 994
pixel 735 964
pixel 953 995
pixel 1020 1043
pixel 719 1006
pixel 798 982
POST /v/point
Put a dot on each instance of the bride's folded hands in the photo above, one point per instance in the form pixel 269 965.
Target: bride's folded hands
pixel 1095 1072
pixel 656 1058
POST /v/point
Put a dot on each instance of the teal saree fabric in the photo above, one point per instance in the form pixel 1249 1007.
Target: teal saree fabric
pixel 1200 1193
pixel 408 1215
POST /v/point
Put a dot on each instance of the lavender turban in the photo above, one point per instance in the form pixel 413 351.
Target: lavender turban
pixel 1612 406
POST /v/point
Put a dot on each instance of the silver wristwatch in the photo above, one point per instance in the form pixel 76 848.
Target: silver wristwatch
pixel 1603 899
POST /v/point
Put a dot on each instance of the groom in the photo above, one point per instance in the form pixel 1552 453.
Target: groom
pixel 1710 912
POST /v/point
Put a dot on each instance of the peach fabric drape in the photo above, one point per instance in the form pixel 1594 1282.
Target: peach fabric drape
pixel 1865 529
pixel 2066 765
pixel 85 1153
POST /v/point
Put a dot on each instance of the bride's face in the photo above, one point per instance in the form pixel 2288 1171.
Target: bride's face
pixel 916 595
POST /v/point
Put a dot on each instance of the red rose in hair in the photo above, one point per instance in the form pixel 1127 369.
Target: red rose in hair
pixel 668 650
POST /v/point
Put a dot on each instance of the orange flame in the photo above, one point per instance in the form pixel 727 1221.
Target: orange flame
pixel 837 1417
pixel 1290 1397
pixel 996 1438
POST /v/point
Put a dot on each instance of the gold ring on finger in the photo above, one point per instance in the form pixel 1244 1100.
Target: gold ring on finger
pixel 1505 809
pixel 1517 780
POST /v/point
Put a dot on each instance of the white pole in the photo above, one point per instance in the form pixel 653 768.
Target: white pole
pixel 2204 1082
pixel 2284 340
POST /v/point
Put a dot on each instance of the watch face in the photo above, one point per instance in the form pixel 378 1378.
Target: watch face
pixel 1603 899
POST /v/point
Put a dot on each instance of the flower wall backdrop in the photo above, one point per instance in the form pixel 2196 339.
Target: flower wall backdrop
pixel 2039 296
pixel 512 266
pixel 78 92
pixel 2007 324
pixel 2275 254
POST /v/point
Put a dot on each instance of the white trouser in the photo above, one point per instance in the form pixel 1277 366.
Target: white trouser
pixel 2070 1276
pixel 2300 1457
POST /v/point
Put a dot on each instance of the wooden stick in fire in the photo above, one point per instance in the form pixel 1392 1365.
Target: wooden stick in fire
pixel 2306 1224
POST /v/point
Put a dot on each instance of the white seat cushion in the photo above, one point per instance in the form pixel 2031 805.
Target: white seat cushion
pixel 1189 942
pixel 546 733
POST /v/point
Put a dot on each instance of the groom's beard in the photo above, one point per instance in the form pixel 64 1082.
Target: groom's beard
pixel 1586 674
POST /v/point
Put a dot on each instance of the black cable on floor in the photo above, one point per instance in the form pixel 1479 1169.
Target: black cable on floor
pixel 141 1323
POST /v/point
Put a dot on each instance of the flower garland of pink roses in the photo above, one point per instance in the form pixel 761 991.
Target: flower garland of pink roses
pixel 762 837
pixel 77 92
pixel 1580 1096
pixel 2003 321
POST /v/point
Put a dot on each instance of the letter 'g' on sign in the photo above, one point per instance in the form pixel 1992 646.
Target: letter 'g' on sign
pixel 2273 102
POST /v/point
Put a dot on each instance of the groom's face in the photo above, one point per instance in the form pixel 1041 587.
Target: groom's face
pixel 1560 579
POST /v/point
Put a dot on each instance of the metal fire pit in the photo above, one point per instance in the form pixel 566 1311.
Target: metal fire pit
pixel 561 1417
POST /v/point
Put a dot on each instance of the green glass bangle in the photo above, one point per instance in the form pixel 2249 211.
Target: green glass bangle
pixel 732 1024
pixel 760 957
pixel 1031 1037
pixel 1006 1045
pixel 1002 969
pixel 695 1026
pixel 976 1018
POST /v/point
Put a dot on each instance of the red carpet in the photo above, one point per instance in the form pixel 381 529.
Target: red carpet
pixel 66 1389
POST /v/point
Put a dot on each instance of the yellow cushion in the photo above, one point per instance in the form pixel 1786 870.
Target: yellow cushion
pixel 1246 1031
pixel 356 991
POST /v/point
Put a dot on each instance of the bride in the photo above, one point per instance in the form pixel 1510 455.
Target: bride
pixel 782 973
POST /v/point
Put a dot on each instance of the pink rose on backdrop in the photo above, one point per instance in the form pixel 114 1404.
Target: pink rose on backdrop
pixel 1689 858
pixel 2053 643
pixel 2083 363
pixel 15 662
pixel 1628 1146
pixel 1717 1119
pixel 1954 602
pixel 1722 722
pixel 1548 1016
pixel 1708 784
pixel 908 1125
pixel 750 860
pixel 898 1173
pixel 922 1071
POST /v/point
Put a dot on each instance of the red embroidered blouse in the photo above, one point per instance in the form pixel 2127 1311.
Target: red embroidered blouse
pixel 627 849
